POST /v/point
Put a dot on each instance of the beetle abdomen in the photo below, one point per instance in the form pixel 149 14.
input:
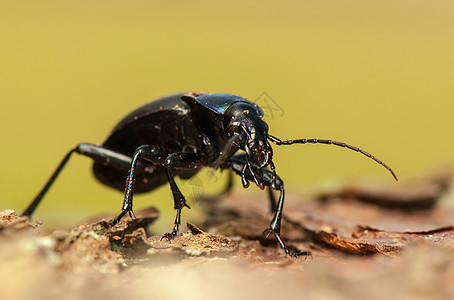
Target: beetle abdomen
pixel 165 123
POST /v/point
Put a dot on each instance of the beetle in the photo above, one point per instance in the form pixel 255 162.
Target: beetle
pixel 177 135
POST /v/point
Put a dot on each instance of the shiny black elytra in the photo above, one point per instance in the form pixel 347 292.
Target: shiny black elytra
pixel 179 134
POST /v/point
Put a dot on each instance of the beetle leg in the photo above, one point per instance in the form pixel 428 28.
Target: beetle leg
pixel 176 227
pixel 127 202
pixel 98 153
pixel 273 204
pixel 243 177
pixel 257 182
pixel 253 173
pixel 179 161
pixel 273 169
pixel 271 180
pixel 174 161
pixel 275 228
pixel 34 204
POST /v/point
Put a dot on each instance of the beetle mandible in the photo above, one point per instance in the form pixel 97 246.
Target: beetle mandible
pixel 179 134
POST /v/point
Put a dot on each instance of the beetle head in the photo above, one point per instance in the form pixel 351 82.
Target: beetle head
pixel 245 124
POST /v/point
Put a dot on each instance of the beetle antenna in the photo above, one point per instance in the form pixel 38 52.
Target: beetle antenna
pixel 330 142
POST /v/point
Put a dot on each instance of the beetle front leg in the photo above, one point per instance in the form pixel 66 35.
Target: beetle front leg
pixel 241 160
pixel 275 225
pixel 273 181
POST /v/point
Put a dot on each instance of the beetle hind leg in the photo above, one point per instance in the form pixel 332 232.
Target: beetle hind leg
pixel 99 153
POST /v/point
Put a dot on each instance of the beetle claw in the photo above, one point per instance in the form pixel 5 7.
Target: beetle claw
pixel 287 250
pixel 267 232
pixel 169 235
pixel 132 215
pixel 117 218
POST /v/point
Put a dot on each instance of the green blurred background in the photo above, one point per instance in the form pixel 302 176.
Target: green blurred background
pixel 376 74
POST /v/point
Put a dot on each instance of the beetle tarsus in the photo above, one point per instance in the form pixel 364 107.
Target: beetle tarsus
pixel 132 215
pixel 176 227
pixel 287 250
pixel 118 218
pixel 171 235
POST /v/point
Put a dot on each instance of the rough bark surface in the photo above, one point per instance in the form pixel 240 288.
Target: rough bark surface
pixel 367 241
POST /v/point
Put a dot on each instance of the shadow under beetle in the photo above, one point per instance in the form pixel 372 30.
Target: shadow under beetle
pixel 179 134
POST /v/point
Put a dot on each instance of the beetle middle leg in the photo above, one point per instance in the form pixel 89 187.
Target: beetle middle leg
pixel 272 181
pixel 173 161
pixel 179 161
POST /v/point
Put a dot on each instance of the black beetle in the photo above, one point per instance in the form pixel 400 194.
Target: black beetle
pixel 179 134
